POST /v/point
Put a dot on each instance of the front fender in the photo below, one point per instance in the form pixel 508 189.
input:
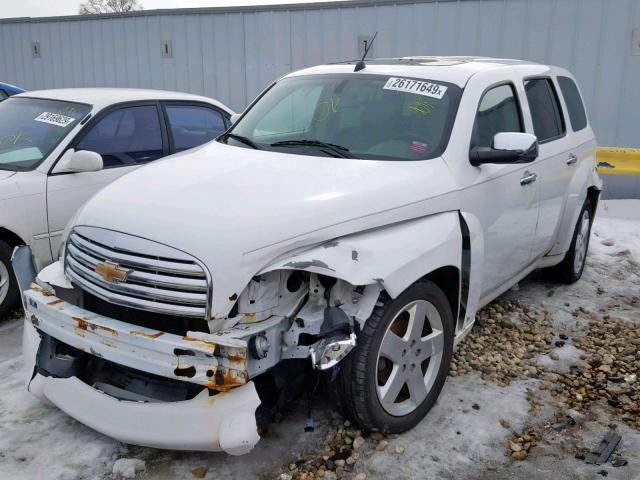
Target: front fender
pixel 394 256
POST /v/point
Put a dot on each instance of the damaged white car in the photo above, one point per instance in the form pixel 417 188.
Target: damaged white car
pixel 352 219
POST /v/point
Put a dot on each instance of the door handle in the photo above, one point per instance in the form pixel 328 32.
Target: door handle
pixel 572 159
pixel 528 178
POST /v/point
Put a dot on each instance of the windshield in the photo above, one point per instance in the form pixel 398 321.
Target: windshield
pixel 352 116
pixel 31 128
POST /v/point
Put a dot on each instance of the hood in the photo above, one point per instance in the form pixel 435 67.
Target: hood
pixel 9 189
pixel 4 174
pixel 237 209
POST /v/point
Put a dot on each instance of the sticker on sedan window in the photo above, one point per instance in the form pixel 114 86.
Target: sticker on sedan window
pixel 55 119
pixel 418 87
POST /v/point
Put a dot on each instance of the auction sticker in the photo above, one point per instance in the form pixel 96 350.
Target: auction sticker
pixel 55 119
pixel 419 87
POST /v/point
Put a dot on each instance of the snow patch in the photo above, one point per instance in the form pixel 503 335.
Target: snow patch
pixel 568 356
pixel 128 467
pixel 454 436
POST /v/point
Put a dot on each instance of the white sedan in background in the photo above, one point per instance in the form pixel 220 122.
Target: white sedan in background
pixel 59 147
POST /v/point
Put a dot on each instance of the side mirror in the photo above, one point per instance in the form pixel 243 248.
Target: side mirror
pixel 234 118
pixel 508 147
pixel 78 162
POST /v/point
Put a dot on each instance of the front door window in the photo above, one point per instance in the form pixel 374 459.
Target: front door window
pixel 127 136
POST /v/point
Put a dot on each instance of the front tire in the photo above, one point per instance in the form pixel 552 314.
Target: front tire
pixel 9 294
pixel 572 266
pixel 394 376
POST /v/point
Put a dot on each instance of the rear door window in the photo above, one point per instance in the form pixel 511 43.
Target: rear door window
pixel 498 112
pixel 548 123
pixel 577 114
pixel 127 136
pixel 193 125
pixel 3 95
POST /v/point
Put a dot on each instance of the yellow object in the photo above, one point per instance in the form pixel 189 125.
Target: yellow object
pixel 618 161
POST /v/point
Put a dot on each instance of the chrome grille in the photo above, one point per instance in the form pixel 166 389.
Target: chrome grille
pixel 159 279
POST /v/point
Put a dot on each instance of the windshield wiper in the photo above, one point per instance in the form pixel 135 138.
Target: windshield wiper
pixel 240 138
pixel 337 149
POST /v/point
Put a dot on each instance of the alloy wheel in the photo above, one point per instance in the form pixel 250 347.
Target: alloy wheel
pixel 582 242
pixel 409 358
pixel 4 282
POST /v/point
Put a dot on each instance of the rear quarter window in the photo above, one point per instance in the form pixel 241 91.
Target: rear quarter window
pixel 548 122
pixel 577 113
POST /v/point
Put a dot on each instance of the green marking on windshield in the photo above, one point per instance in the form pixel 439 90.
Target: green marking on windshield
pixel 422 106
pixel 326 108
pixel 67 110
pixel 15 138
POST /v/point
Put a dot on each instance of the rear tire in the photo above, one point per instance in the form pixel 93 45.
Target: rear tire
pixel 9 294
pixel 394 376
pixel 571 268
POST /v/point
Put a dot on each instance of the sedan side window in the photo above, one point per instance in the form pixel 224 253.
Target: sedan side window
pixel 127 136
pixel 192 125
pixel 3 95
pixel 545 109
pixel 498 112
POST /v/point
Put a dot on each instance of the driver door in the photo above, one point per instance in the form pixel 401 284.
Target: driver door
pixel 126 137
pixel 504 197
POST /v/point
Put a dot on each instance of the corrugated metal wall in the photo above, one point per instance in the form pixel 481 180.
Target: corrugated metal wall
pixel 232 54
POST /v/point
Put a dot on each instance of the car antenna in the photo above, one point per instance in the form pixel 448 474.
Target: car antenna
pixel 360 65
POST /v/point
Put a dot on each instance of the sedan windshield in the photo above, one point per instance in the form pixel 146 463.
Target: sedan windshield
pixel 351 116
pixel 31 128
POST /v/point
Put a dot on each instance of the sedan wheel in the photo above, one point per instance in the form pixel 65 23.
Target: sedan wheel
pixel 4 282
pixel 9 295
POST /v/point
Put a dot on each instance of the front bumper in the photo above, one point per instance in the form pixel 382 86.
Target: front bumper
pixel 219 365
pixel 225 421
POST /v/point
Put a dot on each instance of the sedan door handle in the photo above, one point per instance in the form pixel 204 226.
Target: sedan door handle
pixel 528 178
pixel 572 159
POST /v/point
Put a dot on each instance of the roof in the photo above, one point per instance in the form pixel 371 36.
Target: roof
pixel 102 97
pixel 454 69
pixel 10 88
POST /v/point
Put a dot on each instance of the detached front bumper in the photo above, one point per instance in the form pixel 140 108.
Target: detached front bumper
pixel 224 421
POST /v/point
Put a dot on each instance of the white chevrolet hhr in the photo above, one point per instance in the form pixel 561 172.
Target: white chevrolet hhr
pixel 59 147
pixel 353 220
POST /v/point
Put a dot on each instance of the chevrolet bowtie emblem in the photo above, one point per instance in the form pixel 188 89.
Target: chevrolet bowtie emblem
pixel 112 272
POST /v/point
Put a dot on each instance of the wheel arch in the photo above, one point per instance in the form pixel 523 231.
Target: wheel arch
pixel 447 278
pixel 593 195
pixel 10 238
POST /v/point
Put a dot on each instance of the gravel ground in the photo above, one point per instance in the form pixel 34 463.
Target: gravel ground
pixel 545 373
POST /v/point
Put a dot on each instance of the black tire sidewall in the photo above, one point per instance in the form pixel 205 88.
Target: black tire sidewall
pixel 11 300
pixel 571 275
pixel 420 291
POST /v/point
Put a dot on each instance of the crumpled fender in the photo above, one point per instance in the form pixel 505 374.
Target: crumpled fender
pixel 394 256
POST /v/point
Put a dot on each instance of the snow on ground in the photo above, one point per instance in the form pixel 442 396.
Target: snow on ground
pixel 461 437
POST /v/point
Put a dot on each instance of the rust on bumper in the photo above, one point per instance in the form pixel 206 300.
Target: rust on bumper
pixel 215 362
